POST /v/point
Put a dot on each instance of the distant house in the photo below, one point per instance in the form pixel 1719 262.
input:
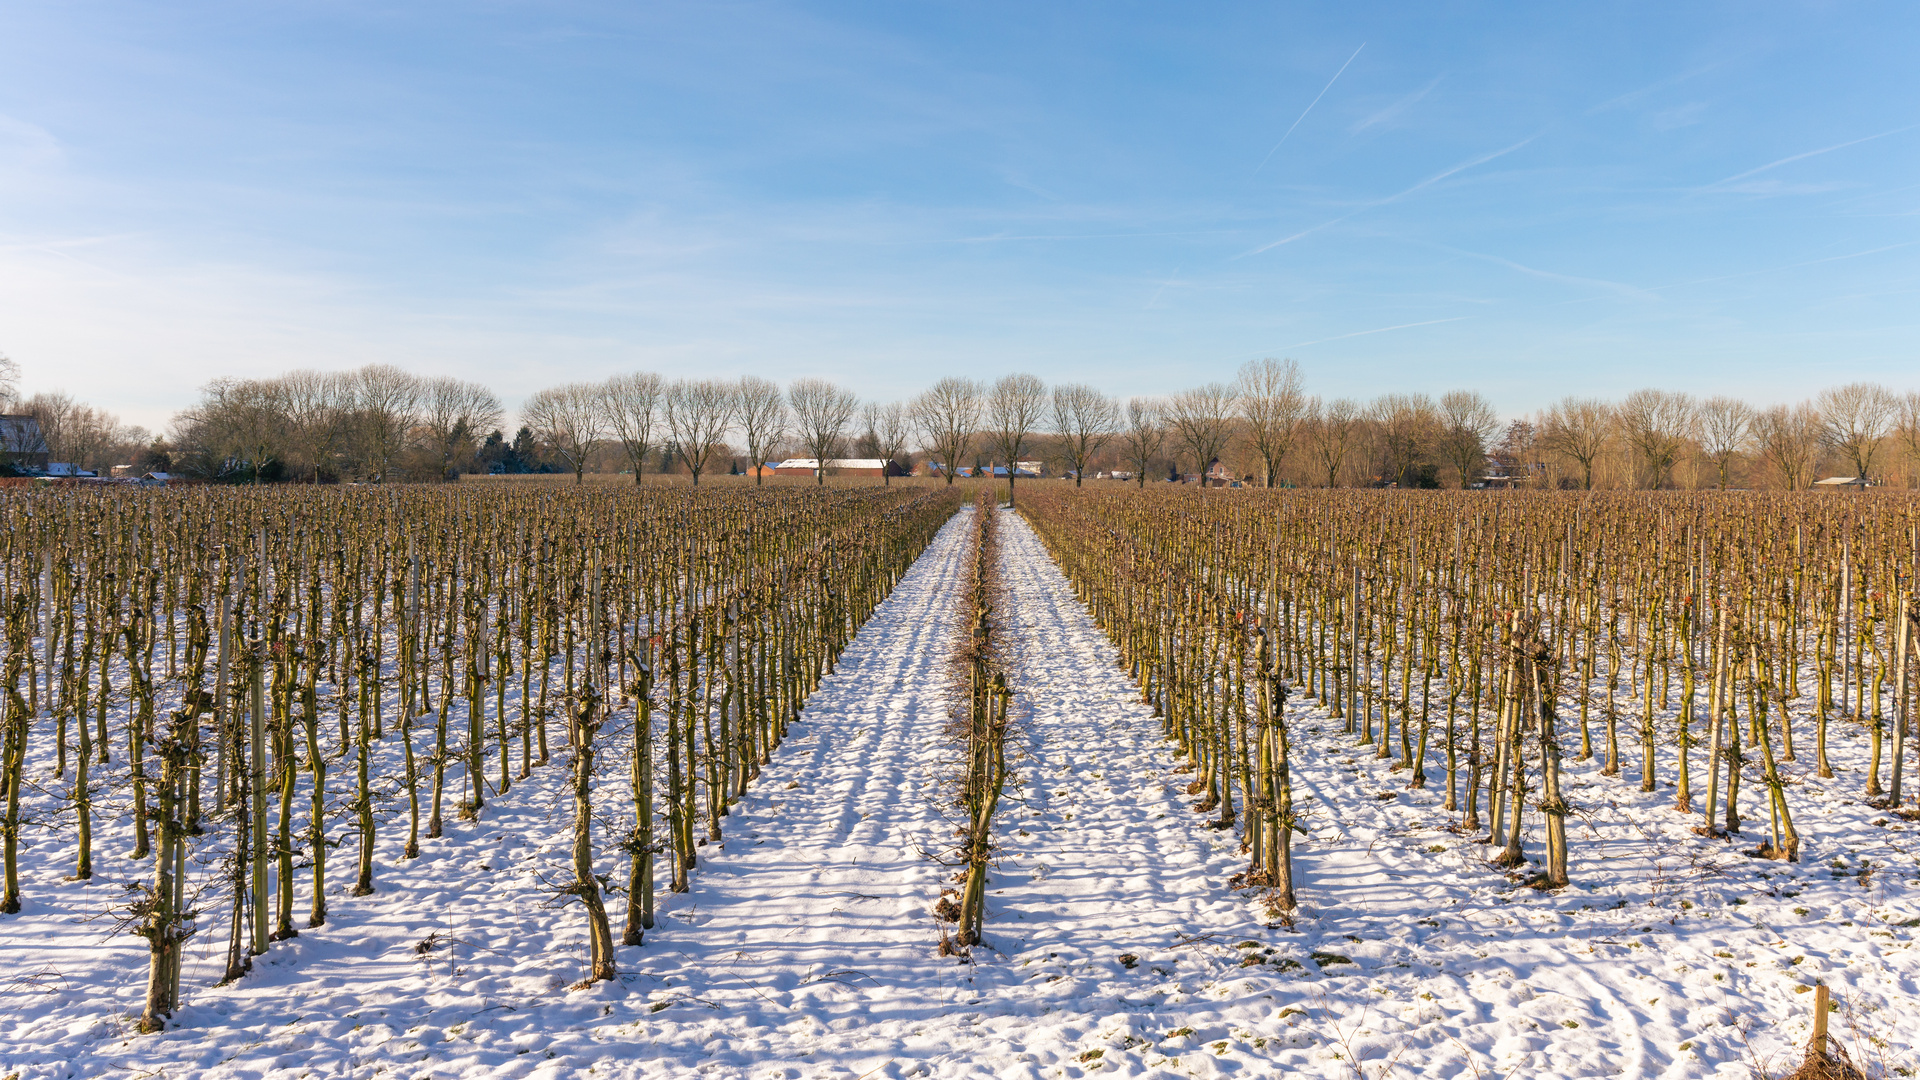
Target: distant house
pixel 1833 482
pixel 67 468
pixel 1215 476
pixel 22 444
pixel 1503 474
pixel 1029 468
pixel 839 467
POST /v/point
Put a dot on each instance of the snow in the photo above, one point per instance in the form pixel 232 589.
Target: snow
pixel 806 947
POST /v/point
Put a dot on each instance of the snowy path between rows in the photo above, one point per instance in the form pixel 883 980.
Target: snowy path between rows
pixel 807 947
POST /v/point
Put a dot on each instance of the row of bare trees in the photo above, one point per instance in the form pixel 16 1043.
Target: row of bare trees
pixel 692 418
pixel 1648 438
pixel 73 432
pixel 375 423
pixel 1262 426
pixel 79 434
pixel 380 422
pixel 689 421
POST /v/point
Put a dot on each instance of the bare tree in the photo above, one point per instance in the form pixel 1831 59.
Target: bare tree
pixel 867 444
pixel 454 416
pixel 948 415
pixel 763 419
pixel 1406 426
pixel 699 412
pixel 9 383
pixel 1906 425
pixel 821 411
pixel 1085 419
pixel 320 410
pixel 1519 451
pixel 1335 426
pixel 237 424
pixel 569 419
pixel 1657 425
pixel 387 402
pixel 1579 428
pixel 1725 423
pixel 1790 439
pixel 1469 423
pixel 91 435
pixel 1857 417
pixel 632 407
pixel 890 428
pixel 1203 418
pixel 1143 436
pixel 1014 408
pixel 1272 405
pixel 55 412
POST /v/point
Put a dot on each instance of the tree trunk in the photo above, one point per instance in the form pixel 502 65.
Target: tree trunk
pixel 640 844
pixel 585 885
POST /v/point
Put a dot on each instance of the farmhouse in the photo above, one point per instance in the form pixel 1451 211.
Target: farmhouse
pixel 839 467
pixel 1833 482
pixel 21 443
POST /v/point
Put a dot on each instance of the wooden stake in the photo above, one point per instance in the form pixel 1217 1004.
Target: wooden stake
pixel 1820 1016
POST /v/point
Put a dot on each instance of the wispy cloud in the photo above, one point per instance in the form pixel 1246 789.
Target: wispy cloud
pixel 995 238
pixel 1395 197
pixel 1679 116
pixel 1163 288
pixel 1634 96
pixel 1394 110
pixel 1308 109
pixel 1722 184
pixel 1375 330
pixel 1787 187
pixel 1620 287
pixel 25 145
pixel 1787 266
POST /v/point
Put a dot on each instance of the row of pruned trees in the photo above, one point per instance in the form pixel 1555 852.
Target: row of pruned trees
pixel 218 688
pixel 980 731
pixel 1717 648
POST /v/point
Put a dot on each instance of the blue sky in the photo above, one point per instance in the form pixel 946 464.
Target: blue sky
pixel 1530 200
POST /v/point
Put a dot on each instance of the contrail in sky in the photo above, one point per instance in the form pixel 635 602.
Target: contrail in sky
pixel 1789 266
pixel 1808 154
pixel 1309 108
pixel 1162 288
pixel 1379 330
pixel 1364 207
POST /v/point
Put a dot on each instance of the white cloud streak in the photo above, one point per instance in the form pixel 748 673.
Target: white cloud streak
pixel 1787 266
pixel 1390 112
pixel 1802 157
pixel 1308 109
pixel 1620 287
pixel 1396 197
pixel 1376 330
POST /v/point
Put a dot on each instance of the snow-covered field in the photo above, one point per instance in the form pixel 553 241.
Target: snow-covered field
pixel 1115 946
